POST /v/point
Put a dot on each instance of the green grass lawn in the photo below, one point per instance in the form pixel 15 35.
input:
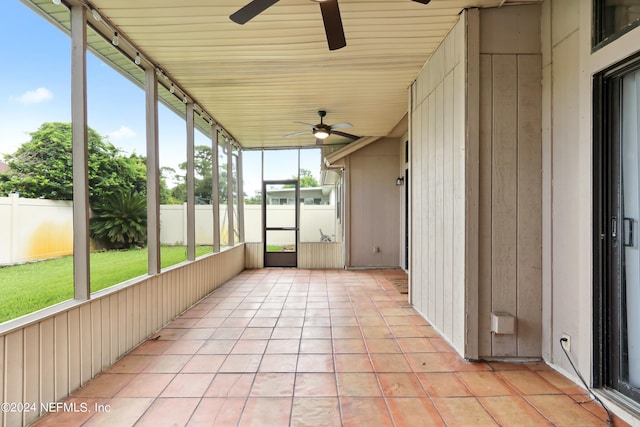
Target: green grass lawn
pixel 29 287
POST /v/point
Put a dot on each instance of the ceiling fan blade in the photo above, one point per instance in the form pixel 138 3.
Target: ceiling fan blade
pixel 333 24
pixel 346 135
pixel 296 133
pixel 306 124
pixel 422 1
pixel 251 10
pixel 341 125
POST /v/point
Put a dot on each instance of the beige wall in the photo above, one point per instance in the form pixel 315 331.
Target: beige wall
pixel 476 183
pixel 373 212
pixel 510 239
pixel 64 346
pixel 566 233
pixel 568 68
pixel 438 185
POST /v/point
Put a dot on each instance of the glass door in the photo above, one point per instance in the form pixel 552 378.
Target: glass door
pixel 617 244
pixel 630 256
pixel 280 207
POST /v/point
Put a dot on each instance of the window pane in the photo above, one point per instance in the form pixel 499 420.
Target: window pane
pixel 616 17
pixel 117 170
pixel 236 222
pixel 224 196
pixel 252 182
pixel 281 241
pixel 318 220
pixel 36 208
pixel 280 164
pixel 172 135
pixel 203 189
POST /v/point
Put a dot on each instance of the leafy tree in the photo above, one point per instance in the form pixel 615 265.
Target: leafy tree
pixel 166 196
pixel 222 179
pixel 203 170
pixel 306 179
pixel 120 220
pixel 42 167
pixel 255 200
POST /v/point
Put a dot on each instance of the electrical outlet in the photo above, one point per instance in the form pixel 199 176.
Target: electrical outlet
pixel 566 342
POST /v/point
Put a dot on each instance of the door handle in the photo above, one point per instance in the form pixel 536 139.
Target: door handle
pixel 628 231
pixel 614 227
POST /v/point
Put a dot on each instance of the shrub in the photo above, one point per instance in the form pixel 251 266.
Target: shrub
pixel 120 220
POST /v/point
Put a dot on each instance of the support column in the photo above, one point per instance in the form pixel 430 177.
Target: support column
pixel 240 199
pixel 215 188
pixel 153 173
pixel 81 236
pixel 191 210
pixel 230 191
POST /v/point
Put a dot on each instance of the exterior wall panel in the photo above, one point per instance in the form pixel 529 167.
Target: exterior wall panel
pixel 47 358
pixel 415 200
pixel 438 189
pixel 477 231
pixel 529 244
pixel 503 195
pixel 485 214
pixel 374 200
pixel 31 370
pixel 2 378
pixel 74 356
pixel 321 255
pixel 510 233
pixel 566 179
pixel 61 356
pixel 96 329
pixel 254 255
pixel 14 369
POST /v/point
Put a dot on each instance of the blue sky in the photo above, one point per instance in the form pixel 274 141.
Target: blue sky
pixel 36 89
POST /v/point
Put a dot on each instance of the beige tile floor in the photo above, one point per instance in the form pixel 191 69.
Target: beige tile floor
pixel 289 347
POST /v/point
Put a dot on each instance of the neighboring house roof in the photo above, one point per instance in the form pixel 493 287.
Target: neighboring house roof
pixel 4 168
pixel 304 191
pixel 290 189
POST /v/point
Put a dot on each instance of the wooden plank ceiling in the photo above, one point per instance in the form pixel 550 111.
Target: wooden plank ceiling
pixel 257 79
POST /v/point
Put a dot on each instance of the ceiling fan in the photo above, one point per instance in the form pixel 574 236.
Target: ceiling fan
pixel 322 130
pixel 330 17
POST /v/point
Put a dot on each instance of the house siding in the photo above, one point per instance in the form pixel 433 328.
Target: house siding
pixel 476 183
pixel 438 188
pixel 509 259
pixel 374 200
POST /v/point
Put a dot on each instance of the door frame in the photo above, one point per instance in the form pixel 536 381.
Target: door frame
pixel 282 258
pixel 608 312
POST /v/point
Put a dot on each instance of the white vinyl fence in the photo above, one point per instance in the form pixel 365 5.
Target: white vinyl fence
pixel 313 218
pixel 35 229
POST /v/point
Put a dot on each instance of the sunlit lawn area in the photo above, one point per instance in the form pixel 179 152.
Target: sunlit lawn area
pixel 29 287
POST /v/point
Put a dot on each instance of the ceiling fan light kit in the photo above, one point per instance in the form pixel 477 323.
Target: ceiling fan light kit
pixel 322 131
pixel 330 17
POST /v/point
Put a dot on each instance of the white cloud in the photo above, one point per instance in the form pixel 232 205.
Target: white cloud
pixel 122 133
pixel 37 96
